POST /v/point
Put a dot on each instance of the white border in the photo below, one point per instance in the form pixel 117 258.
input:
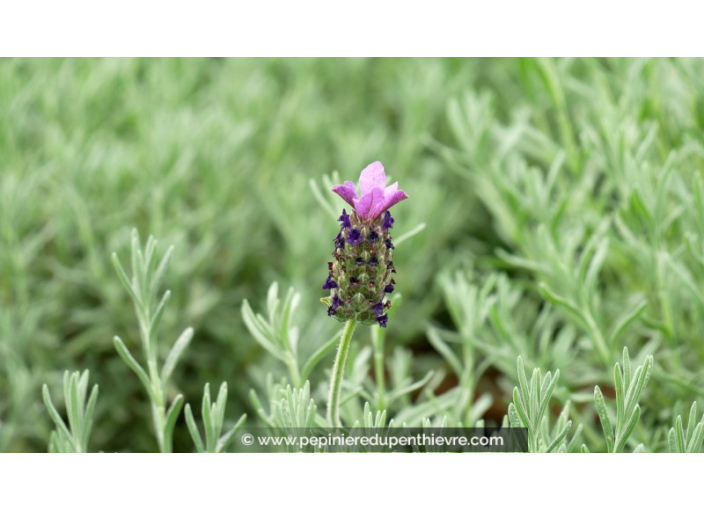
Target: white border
pixel 377 28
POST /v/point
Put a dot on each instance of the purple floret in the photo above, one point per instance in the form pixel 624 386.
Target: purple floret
pixel 354 237
pixel 388 221
pixel 345 219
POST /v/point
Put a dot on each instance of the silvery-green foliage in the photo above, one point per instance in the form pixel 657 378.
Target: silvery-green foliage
pixel 628 392
pixel 292 412
pixel 213 416
pixel 72 438
pixel 529 409
pixel 680 440
pixel 296 409
pixel 371 424
pixel 279 337
pixel 274 332
pixel 428 426
pixel 143 288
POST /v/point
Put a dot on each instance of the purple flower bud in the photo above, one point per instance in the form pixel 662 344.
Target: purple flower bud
pixel 339 241
pixel 382 320
pixel 389 289
pixel 354 237
pixel 329 284
pixel 345 219
pixel 373 236
pixel 388 221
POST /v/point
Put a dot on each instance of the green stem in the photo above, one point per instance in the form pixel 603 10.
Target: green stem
pixel 378 343
pixel 338 371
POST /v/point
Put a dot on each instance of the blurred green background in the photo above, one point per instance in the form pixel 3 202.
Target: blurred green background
pixel 215 156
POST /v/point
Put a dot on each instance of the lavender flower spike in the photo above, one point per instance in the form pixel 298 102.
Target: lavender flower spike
pixel 375 197
pixel 361 274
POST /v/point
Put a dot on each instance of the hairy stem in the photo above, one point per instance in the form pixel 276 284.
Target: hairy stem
pixel 338 371
pixel 378 344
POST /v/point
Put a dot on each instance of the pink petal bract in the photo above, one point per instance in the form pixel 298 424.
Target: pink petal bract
pixel 372 177
pixel 375 197
pixel 393 199
pixel 370 205
pixel 347 191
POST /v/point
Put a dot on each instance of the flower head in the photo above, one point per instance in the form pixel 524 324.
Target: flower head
pixel 375 197
pixel 361 274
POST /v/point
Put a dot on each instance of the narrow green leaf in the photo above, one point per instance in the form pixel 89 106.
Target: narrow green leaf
pixel 695 443
pixel 522 412
pixel 124 353
pixel 632 422
pixel 535 403
pixel 672 441
pixel 225 440
pixel 679 432
pixel 175 354
pixel 523 383
pixel 207 419
pixel 254 327
pixel 604 418
pixel 171 417
pixel 257 405
pixel 626 368
pixel 560 437
pixel 159 273
pixel 572 445
pixel 125 280
pixel 219 408
pixel 544 386
pixel 551 296
pixel 403 390
pixel 515 417
pixel 547 395
pixel 193 429
pixel 618 379
pixel 156 317
pixel 633 395
pixel 90 409
pixel 73 408
pixel 55 416
pixel 692 422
